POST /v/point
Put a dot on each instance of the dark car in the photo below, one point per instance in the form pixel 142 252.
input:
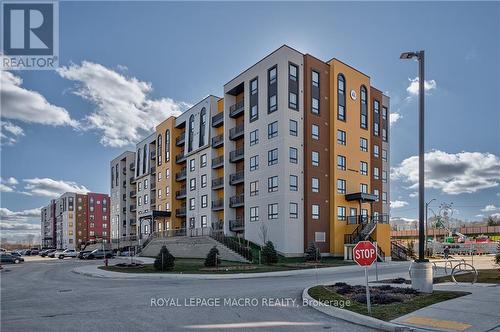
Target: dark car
pixel 45 253
pixel 9 258
pixel 34 251
pixel 97 254
pixel 81 254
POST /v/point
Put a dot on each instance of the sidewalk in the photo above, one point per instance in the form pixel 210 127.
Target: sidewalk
pixel 479 311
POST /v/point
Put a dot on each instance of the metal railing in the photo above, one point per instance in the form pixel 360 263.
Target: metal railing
pixel 236 109
pixel 180 212
pixel 179 140
pixel 237 131
pixel 237 200
pixel 217 119
pixel 181 157
pixel 237 177
pixel 217 140
pixel 237 154
pixel 181 193
pixel 218 161
pixel 218 204
pixel 181 174
pixel 218 182
pixel 236 225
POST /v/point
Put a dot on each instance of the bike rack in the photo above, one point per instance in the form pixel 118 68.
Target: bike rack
pixel 459 266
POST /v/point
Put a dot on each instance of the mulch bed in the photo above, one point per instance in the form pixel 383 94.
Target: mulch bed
pixel 378 294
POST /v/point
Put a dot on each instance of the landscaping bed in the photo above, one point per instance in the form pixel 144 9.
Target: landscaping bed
pixel 387 302
pixel 491 276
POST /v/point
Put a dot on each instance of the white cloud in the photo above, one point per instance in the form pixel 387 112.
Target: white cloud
pixel 29 106
pixel 479 215
pixel 124 112
pixel 10 133
pixel 8 185
pixel 489 208
pixel 414 85
pixel 51 188
pixel 398 204
pixel 464 172
pixel 394 117
pixel 15 223
pixel 413 194
pixel 495 215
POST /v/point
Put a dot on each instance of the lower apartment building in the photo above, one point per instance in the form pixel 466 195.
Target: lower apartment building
pixel 74 220
pixel 296 151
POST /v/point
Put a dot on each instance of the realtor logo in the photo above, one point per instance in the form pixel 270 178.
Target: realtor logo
pixel 30 35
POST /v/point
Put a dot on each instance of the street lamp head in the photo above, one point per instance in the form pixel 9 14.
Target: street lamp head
pixel 408 55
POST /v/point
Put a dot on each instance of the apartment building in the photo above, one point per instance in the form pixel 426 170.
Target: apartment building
pixel 123 197
pixel 296 151
pixel 76 220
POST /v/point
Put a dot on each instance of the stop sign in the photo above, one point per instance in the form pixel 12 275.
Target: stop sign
pixel 364 253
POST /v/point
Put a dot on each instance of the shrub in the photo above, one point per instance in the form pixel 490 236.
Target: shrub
pixel 212 259
pixel 164 261
pixel 360 298
pixel 399 280
pixel 497 256
pixel 340 284
pixel 269 254
pixel 312 252
pixel 384 298
pixel 344 289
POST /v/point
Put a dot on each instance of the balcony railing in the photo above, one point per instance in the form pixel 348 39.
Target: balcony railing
pixel 131 180
pixel 236 109
pixel 237 132
pixel 218 204
pixel 153 185
pixel 218 183
pixel 153 169
pixel 124 210
pixel 218 119
pixel 218 161
pixel 237 201
pixel 179 141
pixel 133 208
pixel 180 158
pixel 124 197
pixel 217 141
pixel 181 175
pixel 124 170
pixel 153 155
pixel 132 166
pixel 181 212
pixel 236 225
pixel 152 201
pixel 237 177
pixel 180 194
pixel 237 155
pixel 133 194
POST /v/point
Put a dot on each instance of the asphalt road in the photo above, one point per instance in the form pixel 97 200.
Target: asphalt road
pixel 47 296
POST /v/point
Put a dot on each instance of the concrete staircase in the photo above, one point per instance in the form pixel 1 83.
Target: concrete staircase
pixel 190 247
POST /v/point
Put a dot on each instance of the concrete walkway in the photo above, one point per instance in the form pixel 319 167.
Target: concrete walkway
pixel 479 311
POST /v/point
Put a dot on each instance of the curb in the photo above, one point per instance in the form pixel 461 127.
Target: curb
pixel 353 317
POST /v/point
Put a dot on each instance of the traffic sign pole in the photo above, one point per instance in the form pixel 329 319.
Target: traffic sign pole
pixel 368 301
pixel 364 254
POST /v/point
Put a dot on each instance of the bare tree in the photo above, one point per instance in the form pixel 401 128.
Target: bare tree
pixel 29 239
pixel 263 233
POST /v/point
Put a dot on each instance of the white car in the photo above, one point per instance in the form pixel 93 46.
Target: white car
pixel 67 253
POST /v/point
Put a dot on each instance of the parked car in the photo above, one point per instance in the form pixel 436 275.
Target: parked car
pixel 67 253
pixel 81 254
pixel 34 252
pixel 98 253
pixel 45 253
pixel 6 257
pixel 16 254
pixel 27 252
pixel 55 253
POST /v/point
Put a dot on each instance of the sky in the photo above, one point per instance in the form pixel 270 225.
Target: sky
pixel 126 66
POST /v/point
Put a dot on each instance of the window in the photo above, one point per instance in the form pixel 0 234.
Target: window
pixel 293 72
pixel 144 159
pixel 204 201
pixel 315 211
pixel 254 137
pixel 203 124
pixel 375 129
pixel 254 188
pixel 384 113
pixel 340 213
pixel 376 173
pixel 384 197
pixel 376 193
pixel 293 155
pixel 167 190
pixel 203 180
pixel 203 160
pixel 272 88
pixel 315 78
pixel 272 157
pixel 363 168
pixel 192 184
pixel 341 137
pixel 292 100
pixel 294 210
pixel 293 128
pixel 192 165
pixel 294 183
pixel 139 201
pixel 272 129
pixel 364 188
pixel 341 97
pixel 364 108
pixel 341 162
pixel 167 145
pixel 254 213
pixel 341 186
pixel 272 184
pixel 353 212
pixel 254 163
pixel 139 186
pixel 384 134
pixel 315 132
pixel 159 192
pixel 384 155
pixel 254 113
pixel 315 158
pixel 375 151
pixel 272 75
pixel 273 105
pixel 192 204
pixel 138 162
pixel 159 176
pixel 384 176
pixel 167 173
pixel 254 85
pixel 363 144
pixel 315 105
pixel 272 211
pixel 146 184
pixel 203 221
pixel 146 199
pixel 376 109
pixel 191 133
pixel 315 185
pixel 191 222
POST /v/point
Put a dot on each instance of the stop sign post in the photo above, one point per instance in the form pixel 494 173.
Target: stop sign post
pixel 364 254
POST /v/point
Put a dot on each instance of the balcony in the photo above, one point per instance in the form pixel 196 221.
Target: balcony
pixel 237 201
pixel 133 208
pixel 124 184
pixel 124 170
pixel 124 210
pixel 153 155
pixel 124 197
pixel 132 166
pixel 237 132
pixel 180 158
pixel 181 176
pixel 133 194
pixel 153 169
pixel 181 212
pixel 236 109
pixel 181 139
pixel 357 219
pixel 237 155
pixel 238 177
pixel 218 119
pixel 180 194
pixel 236 225
pixel 131 180
pixel 153 185
pixel 217 162
pixel 218 204
pixel 218 183
pixel 218 141
pixel 132 222
pixel 152 201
